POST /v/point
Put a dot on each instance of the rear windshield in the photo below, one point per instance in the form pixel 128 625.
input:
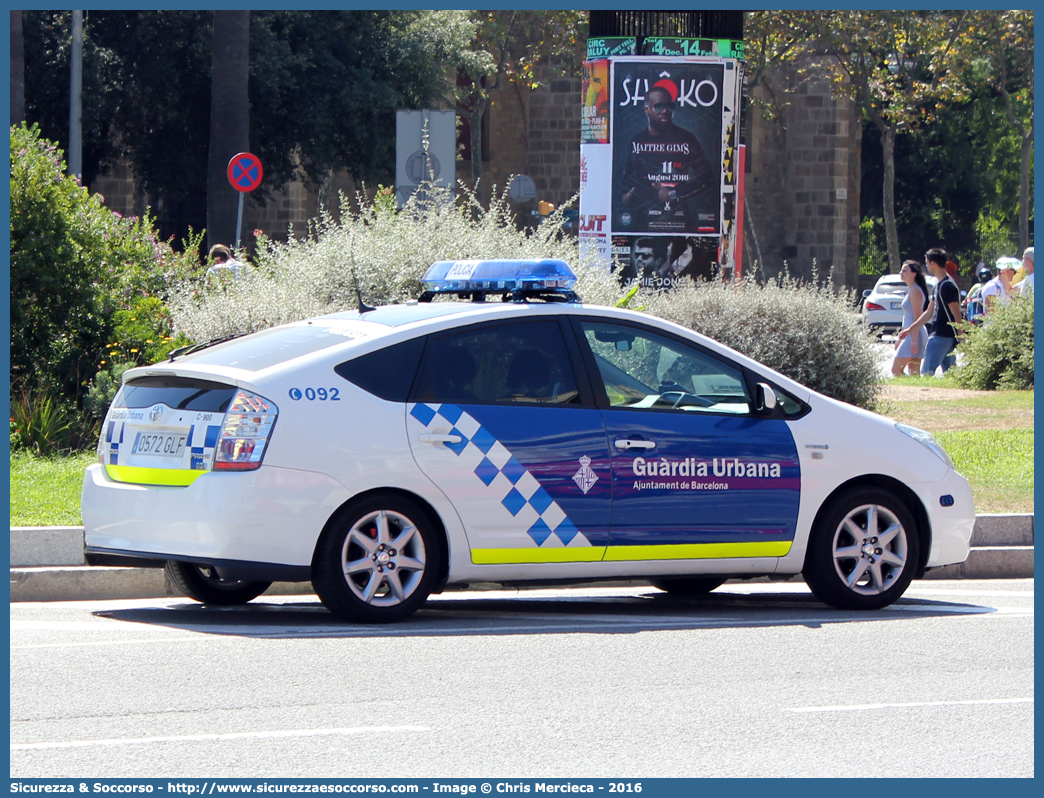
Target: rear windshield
pixel 177 393
pixel 277 345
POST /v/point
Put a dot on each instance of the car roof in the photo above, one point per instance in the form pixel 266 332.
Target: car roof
pixel 397 315
pixel 351 332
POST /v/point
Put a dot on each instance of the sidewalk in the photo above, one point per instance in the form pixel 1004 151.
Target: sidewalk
pixel 47 564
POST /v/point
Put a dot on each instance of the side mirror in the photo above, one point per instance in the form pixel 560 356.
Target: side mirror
pixel 866 293
pixel 764 399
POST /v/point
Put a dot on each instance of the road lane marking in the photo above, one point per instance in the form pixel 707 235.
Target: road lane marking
pixel 190 738
pixel 862 707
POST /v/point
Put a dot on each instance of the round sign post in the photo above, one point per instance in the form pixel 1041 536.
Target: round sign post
pixel 244 173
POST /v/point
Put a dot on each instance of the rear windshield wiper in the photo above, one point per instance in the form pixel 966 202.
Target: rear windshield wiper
pixel 187 350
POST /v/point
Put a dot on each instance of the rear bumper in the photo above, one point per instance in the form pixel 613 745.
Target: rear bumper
pixel 269 516
pixel 226 569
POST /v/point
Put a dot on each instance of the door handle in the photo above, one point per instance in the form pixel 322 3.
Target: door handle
pixel 631 443
pixel 428 437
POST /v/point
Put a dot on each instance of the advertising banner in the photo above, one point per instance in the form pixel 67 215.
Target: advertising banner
pixel 594 116
pixel 666 130
pixel 596 168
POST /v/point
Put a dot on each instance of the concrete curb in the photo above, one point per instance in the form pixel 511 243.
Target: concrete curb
pixel 47 564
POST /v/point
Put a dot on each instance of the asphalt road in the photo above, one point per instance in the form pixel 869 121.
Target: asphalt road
pixel 758 679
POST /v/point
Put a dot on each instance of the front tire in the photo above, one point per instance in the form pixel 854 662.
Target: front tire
pixel 863 551
pixel 202 583
pixel 378 562
pixel 688 585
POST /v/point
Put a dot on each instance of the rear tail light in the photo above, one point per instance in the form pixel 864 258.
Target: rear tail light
pixel 873 306
pixel 244 432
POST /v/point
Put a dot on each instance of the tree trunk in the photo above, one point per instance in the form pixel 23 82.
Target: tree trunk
pixel 1024 192
pixel 888 194
pixel 229 120
pixel 17 69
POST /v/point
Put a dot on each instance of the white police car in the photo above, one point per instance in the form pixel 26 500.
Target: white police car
pixel 387 453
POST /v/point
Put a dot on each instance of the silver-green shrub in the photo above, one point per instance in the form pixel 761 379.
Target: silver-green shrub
pixel 808 333
pixel 385 250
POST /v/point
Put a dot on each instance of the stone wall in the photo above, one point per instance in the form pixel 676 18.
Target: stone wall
pixel 803 183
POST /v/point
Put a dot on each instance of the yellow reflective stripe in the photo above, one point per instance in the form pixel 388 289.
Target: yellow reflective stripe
pixel 153 476
pixel 506 556
pixel 699 551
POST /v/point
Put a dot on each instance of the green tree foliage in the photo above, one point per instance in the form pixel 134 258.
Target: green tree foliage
pixel 999 354
pixel 898 67
pixel 997 49
pixel 325 85
pixel 60 266
pixel 508 45
pixel 74 265
pixel 146 92
pixel 323 89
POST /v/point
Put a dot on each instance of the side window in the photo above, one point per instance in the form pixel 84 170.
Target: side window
pixel 643 370
pixel 388 372
pixel 520 363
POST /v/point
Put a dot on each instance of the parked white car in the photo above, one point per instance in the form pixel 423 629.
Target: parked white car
pixel 385 454
pixel 883 304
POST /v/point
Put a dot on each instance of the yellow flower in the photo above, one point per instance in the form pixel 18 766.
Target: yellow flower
pixel 148 340
pixel 134 350
pixel 101 362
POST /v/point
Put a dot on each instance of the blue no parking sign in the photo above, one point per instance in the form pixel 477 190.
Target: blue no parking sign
pixel 245 172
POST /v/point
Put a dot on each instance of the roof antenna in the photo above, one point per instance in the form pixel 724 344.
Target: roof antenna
pixel 363 307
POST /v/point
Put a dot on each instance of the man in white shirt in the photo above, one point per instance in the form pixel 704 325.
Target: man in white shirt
pixel 998 290
pixel 225 268
pixel 1025 287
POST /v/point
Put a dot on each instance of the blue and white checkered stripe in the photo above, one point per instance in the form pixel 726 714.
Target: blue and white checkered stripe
pixel 505 484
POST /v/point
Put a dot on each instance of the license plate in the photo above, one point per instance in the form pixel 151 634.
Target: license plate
pixel 897 305
pixel 160 444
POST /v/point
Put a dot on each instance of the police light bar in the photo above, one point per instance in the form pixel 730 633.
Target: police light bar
pixel 499 276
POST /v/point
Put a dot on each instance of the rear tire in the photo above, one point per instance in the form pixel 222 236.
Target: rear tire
pixel 378 562
pixel 688 585
pixel 202 583
pixel 863 551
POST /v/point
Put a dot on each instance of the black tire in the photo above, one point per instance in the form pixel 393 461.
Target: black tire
pixel 378 562
pixel 201 582
pixel 863 551
pixel 689 585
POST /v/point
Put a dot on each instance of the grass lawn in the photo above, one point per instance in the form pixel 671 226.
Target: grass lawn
pixel 45 491
pixel 989 435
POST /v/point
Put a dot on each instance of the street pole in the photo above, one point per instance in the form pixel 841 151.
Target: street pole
pixel 76 99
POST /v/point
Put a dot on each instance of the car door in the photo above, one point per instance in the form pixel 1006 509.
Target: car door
pixel 696 472
pixel 499 422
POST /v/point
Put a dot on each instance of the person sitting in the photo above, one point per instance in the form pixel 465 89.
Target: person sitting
pixel 974 309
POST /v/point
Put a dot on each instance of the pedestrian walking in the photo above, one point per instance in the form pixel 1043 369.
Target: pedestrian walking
pixel 909 352
pixel 944 312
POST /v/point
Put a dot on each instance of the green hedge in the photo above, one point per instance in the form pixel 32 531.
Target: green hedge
pixel 999 354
